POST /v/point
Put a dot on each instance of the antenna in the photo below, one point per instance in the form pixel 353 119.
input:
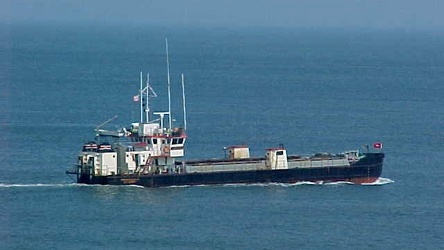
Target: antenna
pixel 184 107
pixel 169 84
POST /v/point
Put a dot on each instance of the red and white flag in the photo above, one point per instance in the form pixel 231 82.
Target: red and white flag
pixel 377 145
pixel 136 98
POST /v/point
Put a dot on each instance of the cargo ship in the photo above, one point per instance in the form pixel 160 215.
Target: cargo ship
pixel 150 153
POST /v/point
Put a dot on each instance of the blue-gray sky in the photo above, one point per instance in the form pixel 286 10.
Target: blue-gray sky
pixel 407 14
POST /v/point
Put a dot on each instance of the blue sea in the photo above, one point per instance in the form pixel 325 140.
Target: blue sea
pixel 312 90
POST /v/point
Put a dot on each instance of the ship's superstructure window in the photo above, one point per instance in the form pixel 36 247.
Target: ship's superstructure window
pixel 177 141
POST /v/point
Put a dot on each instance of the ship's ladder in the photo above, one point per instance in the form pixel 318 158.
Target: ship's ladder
pixel 146 168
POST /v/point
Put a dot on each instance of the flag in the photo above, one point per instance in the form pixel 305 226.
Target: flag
pixel 377 145
pixel 136 98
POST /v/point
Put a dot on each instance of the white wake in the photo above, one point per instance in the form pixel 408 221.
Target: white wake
pixel 34 185
pixel 379 181
pixel 6 185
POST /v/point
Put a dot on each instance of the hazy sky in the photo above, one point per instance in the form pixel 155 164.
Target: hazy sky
pixel 408 14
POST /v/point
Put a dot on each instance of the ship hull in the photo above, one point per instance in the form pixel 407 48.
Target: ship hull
pixel 366 171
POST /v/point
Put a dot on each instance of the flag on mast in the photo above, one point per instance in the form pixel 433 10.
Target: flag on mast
pixel 377 145
pixel 136 98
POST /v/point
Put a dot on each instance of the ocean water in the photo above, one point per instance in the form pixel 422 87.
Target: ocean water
pixel 311 90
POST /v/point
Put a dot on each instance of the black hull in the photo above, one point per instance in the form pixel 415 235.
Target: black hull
pixel 367 170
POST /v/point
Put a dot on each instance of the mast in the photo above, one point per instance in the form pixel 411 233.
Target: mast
pixel 169 84
pixel 183 102
pixel 140 95
pixel 147 96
